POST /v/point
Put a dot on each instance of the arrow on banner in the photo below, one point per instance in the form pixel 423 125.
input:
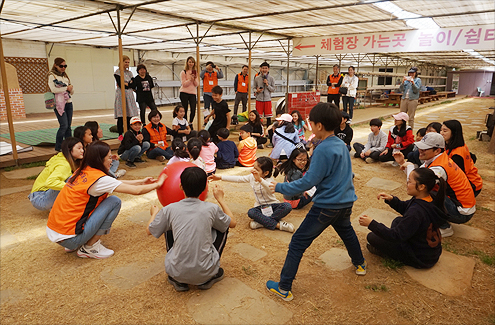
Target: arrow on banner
pixel 299 47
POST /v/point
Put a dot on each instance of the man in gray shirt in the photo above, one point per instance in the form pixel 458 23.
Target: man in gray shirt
pixel 195 232
pixel 264 86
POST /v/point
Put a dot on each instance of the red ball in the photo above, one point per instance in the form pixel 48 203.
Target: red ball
pixel 170 191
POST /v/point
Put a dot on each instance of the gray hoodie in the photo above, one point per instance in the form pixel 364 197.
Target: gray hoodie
pixel 266 94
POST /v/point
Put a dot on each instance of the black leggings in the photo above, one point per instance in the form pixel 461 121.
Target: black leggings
pixel 149 102
pixel 188 100
pixel 389 156
pixel 219 242
pixel 120 124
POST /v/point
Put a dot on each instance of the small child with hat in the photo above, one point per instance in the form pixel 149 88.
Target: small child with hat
pixel 132 146
pixel 400 138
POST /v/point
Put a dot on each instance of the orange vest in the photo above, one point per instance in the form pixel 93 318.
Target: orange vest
pixel 469 168
pixel 209 81
pixel 241 79
pixel 334 80
pixel 247 156
pixel 156 136
pixel 458 187
pixel 74 205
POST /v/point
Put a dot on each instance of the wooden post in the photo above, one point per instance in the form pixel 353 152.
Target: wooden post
pixel 5 87
pixel 199 118
pixel 249 74
pixel 317 75
pixel 122 71
pixel 288 77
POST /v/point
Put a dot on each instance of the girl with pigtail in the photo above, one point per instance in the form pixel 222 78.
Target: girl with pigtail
pixel 413 238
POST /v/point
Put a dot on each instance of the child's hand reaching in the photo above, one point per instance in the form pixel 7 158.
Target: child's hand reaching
pixel 364 220
pixel 218 192
pixel 214 178
pixel 154 210
pixel 385 196
pixel 256 175
pixel 272 186
pixel 399 157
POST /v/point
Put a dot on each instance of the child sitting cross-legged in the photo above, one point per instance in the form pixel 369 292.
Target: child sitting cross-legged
pixel 344 131
pixel 227 150
pixel 293 169
pixel 195 233
pixel 414 238
pixel 267 210
pixel 133 145
pixel 377 140
pixel 180 151
pixel 247 147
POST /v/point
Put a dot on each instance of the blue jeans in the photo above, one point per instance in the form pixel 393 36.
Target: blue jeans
pixel 316 221
pixel 454 215
pixel 348 102
pixel 207 101
pixel 280 210
pixel 43 200
pixel 65 121
pixel 153 153
pixel 135 152
pixel 99 223
pixel 113 167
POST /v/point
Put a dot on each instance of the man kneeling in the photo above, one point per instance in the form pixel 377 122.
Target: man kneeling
pixel 195 233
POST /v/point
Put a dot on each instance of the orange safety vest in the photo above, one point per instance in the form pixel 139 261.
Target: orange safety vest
pixel 209 81
pixel 458 187
pixel 245 80
pixel 74 206
pixel 469 168
pixel 156 136
pixel 334 79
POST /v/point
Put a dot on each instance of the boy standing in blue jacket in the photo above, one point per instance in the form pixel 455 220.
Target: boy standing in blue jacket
pixel 330 171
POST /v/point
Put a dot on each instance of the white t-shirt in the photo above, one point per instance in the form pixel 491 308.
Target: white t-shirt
pixel 177 121
pixel 106 184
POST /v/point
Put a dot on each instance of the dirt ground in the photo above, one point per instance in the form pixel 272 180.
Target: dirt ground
pixel 43 285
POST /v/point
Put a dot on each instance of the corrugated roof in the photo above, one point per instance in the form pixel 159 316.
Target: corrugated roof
pixel 161 25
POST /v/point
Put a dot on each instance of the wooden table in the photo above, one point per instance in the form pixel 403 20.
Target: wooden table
pixel 393 98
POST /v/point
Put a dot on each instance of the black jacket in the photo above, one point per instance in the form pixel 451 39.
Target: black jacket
pixel 129 141
pixel 417 230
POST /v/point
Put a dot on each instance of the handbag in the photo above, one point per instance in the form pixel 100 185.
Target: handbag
pixel 298 145
pixel 49 100
pixel 343 90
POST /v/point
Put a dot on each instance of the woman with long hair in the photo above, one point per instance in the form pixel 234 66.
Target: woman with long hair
pixel 188 89
pixel 57 170
pixel 60 86
pixel 130 101
pixel 83 211
pixel 458 151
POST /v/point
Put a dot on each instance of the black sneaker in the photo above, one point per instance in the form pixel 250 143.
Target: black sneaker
pixel 208 284
pixel 130 164
pixel 138 160
pixel 180 287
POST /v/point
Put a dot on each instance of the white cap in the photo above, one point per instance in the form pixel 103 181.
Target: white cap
pixel 431 140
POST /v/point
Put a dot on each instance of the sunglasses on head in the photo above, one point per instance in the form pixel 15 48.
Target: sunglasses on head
pixel 62 66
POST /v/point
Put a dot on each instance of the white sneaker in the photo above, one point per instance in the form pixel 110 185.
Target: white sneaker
pixel 161 158
pixel 119 173
pixel 447 232
pixel 286 226
pixel 255 225
pixel 68 250
pixel 96 251
pixel 369 160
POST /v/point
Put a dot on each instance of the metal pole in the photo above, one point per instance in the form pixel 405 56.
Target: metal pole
pixel 122 71
pixel 5 87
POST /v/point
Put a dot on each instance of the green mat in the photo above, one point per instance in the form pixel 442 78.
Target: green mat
pixel 46 137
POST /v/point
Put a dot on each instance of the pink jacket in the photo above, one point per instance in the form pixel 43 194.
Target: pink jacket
pixel 188 86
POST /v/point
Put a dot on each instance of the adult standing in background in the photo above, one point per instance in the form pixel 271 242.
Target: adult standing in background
pixel 144 84
pixel 333 82
pixel 60 86
pixel 241 90
pixel 351 82
pixel 210 80
pixel 264 86
pixel 130 101
pixel 189 82
pixel 410 88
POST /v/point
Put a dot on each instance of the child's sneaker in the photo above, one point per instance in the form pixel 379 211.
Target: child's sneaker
pixel 119 173
pixel 286 226
pixel 138 160
pixel 130 164
pixel 447 232
pixel 121 137
pixel 161 158
pixel 208 284
pixel 180 287
pixel 361 269
pixel 255 225
pixel 68 250
pixel 369 160
pixel 272 286
pixel 95 251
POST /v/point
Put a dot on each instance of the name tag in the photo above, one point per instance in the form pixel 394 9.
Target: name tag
pixel 210 82
pixel 267 210
pixel 161 143
pixel 184 138
pixel 243 84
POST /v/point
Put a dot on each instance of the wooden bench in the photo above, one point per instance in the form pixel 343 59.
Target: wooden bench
pixel 424 99
pixel 449 94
